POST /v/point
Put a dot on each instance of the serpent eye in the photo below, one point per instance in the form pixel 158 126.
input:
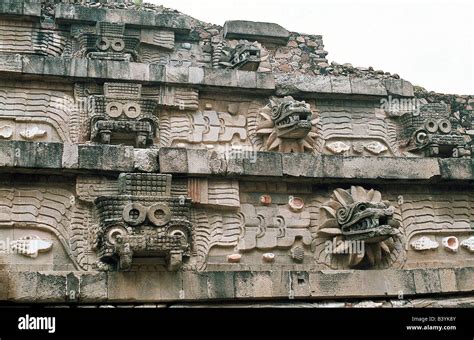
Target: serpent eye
pixel 421 137
pixel 276 113
pixel 362 207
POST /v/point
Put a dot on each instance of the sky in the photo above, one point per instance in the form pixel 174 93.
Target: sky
pixel 427 42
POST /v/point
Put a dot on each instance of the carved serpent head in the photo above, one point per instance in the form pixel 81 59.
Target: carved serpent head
pixel 292 118
pixel 366 221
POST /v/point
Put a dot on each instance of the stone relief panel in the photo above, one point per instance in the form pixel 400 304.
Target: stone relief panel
pixel 34 113
pixel 323 126
pixel 88 188
pixel 201 128
pixel 272 226
pixel 25 37
pixel 154 222
pixel 43 226
pixel 31 246
pixel 184 54
pixel 121 113
pixel 209 122
pixel 303 227
pixel 217 193
pixel 438 226
pixel 356 128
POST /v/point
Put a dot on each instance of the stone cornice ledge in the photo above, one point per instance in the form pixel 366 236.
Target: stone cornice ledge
pixel 305 85
pixel 245 284
pixel 197 162
pixel 75 13
pixel 31 8
pixel 274 164
pixel 86 69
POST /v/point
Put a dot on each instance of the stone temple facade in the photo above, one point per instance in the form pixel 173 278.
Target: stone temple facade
pixel 147 157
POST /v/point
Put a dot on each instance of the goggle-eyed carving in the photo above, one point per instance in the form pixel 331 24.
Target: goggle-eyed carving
pixel 106 41
pixel 434 133
pixel 121 113
pixel 144 221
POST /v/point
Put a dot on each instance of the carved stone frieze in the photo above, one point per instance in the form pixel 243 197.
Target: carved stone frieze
pixel 149 156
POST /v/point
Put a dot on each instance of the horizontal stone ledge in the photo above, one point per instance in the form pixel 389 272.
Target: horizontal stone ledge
pixel 43 155
pixel 231 285
pixel 81 69
pixel 19 154
pixel 260 31
pixel 31 8
pixel 307 85
pixel 274 164
pixel 200 162
pixel 74 13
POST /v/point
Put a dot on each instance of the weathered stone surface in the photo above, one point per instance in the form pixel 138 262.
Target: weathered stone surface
pixel 162 286
pixel 26 8
pixel 173 160
pixel 93 287
pixel 379 283
pixel 427 281
pixel 51 287
pixel 11 63
pixel 146 160
pixel 69 12
pixel 261 31
pixel 198 161
pixel 4 285
pixel 119 158
pixel 302 165
pixel 216 77
pixel 372 87
pixel 106 157
pixel 31 154
pixel 305 84
pixel 456 168
pixel 129 71
pixel 288 85
pixel 70 156
pixel 22 286
pixel 268 163
pixel 389 168
pixel 399 87
pixel 341 85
